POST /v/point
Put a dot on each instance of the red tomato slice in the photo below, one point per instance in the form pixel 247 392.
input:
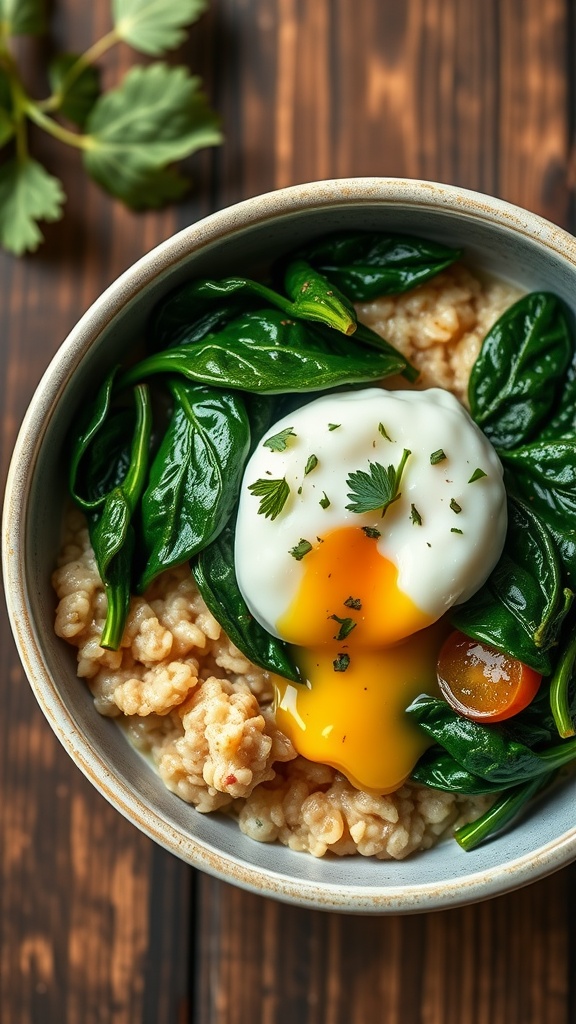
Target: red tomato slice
pixel 481 683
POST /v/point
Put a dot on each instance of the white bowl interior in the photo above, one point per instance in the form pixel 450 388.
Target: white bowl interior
pixel 495 237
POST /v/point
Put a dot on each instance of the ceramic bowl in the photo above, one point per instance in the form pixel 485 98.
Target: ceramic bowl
pixel 496 236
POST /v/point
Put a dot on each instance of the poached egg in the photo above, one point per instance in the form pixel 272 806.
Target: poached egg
pixel 364 516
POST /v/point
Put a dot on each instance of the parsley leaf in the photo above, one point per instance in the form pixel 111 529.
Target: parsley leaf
pixel 415 516
pixel 353 602
pixel 341 662
pixel 371 532
pixel 324 501
pixel 346 627
pixel 382 430
pixel 27 194
pixel 334 426
pixel 302 548
pixel 279 442
pixel 274 495
pixel 154 26
pixel 455 506
pixel 437 457
pixel 155 117
pixel 377 489
pixel 477 475
pixel 310 465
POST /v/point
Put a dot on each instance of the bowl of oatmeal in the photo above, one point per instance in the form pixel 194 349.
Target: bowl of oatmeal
pixel 182 694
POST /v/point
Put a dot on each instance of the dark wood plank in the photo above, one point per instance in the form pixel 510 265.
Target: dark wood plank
pixel 94 918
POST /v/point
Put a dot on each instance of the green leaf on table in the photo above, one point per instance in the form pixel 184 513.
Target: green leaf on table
pixel 154 26
pixel 155 117
pixel 22 17
pixel 78 97
pixel 28 194
pixel 161 186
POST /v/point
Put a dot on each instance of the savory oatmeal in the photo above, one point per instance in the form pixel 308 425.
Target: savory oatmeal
pixel 190 700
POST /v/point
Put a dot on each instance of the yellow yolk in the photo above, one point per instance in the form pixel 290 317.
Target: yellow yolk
pixel 355 719
pixel 347 564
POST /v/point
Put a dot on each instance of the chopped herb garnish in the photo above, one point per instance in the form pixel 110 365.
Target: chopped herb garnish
pixel 279 442
pixel 334 426
pixel 371 532
pixel 377 489
pixel 302 548
pixel 477 475
pixel 273 494
pixel 415 516
pixel 455 506
pixel 353 602
pixel 437 457
pixel 383 431
pixel 346 626
pixel 310 465
pixel 454 529
pixel 341 662
pixel 324 501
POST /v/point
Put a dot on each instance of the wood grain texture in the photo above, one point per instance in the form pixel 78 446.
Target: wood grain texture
pixel 97 925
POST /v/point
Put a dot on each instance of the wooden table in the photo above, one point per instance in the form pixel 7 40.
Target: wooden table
pixel 98 925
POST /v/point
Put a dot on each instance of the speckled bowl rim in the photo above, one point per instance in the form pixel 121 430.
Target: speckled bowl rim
pixel 316 195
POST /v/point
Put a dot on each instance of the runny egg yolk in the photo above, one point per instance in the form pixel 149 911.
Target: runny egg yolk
pixel 353 630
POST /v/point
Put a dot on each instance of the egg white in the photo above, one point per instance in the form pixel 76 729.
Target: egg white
pixel 437 567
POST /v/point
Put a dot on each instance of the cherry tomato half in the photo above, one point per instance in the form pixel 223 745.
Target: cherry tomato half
pixel 481 683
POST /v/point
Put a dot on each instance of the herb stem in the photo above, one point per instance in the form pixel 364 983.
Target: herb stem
pixel 53 128
pixel 90 56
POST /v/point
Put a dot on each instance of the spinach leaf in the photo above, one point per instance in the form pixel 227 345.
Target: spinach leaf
pixel 502 812
pixel 437 768
pixel 264 352
pixel 315 298
pixel 562 424
pixel 113 478
pixel 521 607
pixel 543 474
pixel 195 476
pixel 486 750
pixel 186 315
pixel 366 336
pixel 517 375
pixel 215 577
pixel 367 264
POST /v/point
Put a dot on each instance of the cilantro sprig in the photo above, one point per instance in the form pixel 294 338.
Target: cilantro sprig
pixel 378 488
pixel 130 136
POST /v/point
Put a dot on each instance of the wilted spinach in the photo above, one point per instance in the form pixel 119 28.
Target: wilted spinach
pixel 521 607
pixel 215 576
pixel 487 751
pixel 366 264
pixel 266 353
pixel 520 369
pixel 195 476
pixel 108 473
